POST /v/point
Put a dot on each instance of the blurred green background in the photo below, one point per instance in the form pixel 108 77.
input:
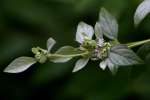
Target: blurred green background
pixel 28 23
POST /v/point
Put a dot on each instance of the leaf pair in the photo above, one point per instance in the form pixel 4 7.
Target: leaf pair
pixel 107 25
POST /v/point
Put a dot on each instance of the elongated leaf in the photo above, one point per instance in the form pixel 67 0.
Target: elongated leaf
pixel 65 54
pixel 20 64
pixel 84 31
pixel 69 50
pixel 50 43
pixel 121 55
pixel 108 23
pixel 60 59
pixel 81 63
pixel 142 11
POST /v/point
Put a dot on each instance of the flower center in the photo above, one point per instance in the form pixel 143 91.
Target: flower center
pixel 101 52
pixel 40 54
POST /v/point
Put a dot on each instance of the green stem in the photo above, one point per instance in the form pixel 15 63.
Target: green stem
pixel 67 56
pixel 138 43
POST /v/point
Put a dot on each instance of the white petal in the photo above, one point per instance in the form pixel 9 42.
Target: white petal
pixel 80 64
pixel 84 31
pixel 103 64
pixel 50 43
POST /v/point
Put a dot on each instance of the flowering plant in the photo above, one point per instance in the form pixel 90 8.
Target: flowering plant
pixel 98 43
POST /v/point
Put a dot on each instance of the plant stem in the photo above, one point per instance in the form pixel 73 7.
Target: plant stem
pixel 138 43
pixel 68 56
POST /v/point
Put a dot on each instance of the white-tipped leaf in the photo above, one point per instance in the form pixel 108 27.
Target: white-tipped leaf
pixel 20 64
pixel 50 43
pixel 108 24
pixel 142 11
pixel 81 63
pixel 84 31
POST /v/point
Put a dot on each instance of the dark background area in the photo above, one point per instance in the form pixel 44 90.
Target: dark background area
pixel 28 23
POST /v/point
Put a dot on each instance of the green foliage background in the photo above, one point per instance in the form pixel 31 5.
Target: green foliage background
pixel 28 23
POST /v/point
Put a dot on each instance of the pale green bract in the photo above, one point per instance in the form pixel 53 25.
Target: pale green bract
pixel 20 64
pixel 141 12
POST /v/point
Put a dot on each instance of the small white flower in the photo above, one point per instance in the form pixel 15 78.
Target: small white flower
pixel 84 32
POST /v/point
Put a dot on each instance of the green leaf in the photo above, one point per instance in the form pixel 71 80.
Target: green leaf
pixel 20 64
pixel 65 54
pixel 108 23
pixel 81 63
pixel 69 50
pixel 144 51
pixel 121 55
pixel 50 43
pixel 84 31
pixel 142 11
pixel 60 59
